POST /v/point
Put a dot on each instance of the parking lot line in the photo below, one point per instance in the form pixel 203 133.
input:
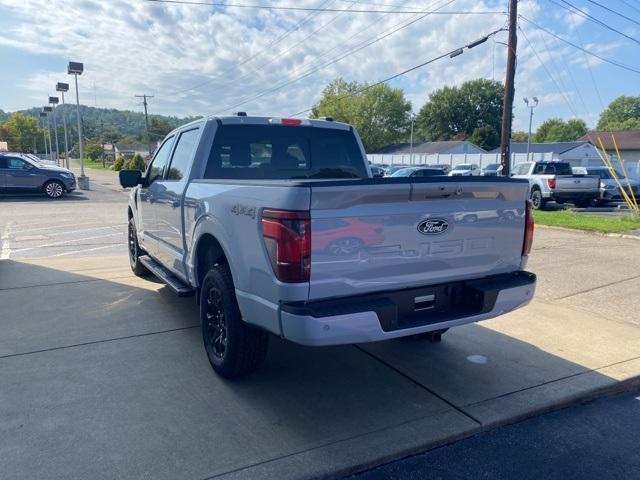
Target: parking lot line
pixel 67 232
pixel 5 252
pixel 65 242
pixel 88 250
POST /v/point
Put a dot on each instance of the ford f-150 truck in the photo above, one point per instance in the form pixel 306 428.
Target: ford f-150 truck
pixel 277 226
pixel 556 181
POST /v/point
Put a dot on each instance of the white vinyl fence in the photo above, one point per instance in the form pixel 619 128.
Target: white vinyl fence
pixel 484 159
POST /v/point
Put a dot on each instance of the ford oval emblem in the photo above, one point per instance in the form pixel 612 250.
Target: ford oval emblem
pixel 433 226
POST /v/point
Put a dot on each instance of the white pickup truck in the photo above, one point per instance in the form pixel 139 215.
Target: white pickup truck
pixel 554 180
pixel 277 226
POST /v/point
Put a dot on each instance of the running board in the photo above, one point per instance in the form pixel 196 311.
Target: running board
pixel 173 282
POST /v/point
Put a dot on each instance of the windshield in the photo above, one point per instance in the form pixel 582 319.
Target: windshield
pixel 493 166
pixel 284 152
pixel 463 166
pixel 603 173
pixel 403 172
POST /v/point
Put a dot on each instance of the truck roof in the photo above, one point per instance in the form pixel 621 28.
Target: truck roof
pixel 275 120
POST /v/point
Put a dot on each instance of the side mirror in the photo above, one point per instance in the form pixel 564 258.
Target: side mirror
pixel 130 178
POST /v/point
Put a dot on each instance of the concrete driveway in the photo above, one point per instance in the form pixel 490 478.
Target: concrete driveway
pixel 103 374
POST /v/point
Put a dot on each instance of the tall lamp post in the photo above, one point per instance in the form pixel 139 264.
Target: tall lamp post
pixel 53 101
pixel 44 132
pixel 64 87
pixel 75 69
pixel 533 104
pixel 49 110
pixel 413 119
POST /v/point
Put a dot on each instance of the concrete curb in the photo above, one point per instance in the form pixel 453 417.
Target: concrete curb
pixel 589 232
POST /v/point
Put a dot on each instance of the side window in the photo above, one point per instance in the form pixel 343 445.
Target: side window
pixel 182 154
pixel 159 162
pixel 16 164
pixel 539 169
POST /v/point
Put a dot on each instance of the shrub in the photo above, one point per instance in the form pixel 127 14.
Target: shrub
pixel 119 162
pixel 136 163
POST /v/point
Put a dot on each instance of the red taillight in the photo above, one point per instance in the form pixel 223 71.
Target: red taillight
pixel 551 182
pixel 291 121
pixel 287 237
pixel 528 229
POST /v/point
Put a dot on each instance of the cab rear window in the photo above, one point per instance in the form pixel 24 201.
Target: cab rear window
pixel 284 152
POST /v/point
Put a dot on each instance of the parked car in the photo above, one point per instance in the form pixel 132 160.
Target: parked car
pixel 554 180
pixel 258 245
pixel 442 166
pixel 39 160
pixel 21 174
pixel 377 171
pixel 394 168
pixel 492 170
pixel 465 170
pixel 418 172
pixel 609 189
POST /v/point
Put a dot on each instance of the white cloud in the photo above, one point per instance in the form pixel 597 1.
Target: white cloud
pixel 134 47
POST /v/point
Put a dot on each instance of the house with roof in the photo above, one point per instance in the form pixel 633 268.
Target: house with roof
pixel 442 147
pixel 628 142
pixel 130 149
pixel 577 153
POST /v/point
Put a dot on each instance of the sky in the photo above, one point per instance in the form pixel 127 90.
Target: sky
pixel 211 59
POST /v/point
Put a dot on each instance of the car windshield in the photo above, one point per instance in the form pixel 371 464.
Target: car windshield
pixel 493 166
pixel 403 172
pixel 284 152
pixel 604 173
pixel 463 166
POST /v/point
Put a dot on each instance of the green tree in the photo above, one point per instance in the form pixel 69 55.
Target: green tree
pixel 380 113
pixel 93 151
pixel 20 130
pixel 456 112
pixel 485 137
pixel 118 163
pixel 135 163
pixel 557 130
pixel 159 127
pixel 519 136
pixel 623 112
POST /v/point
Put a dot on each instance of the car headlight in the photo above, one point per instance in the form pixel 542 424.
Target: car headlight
pixel 609 187
pixel 66 175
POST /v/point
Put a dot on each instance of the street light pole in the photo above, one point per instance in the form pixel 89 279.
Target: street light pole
pixel 75 69
pixel 49 110
pixel 413 118
pixel 64 87
pixel 54 101
pixel 44 132
pixel 533 105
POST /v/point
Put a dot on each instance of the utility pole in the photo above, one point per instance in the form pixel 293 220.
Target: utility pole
pixel 531 105
pixel 144 97
pixel 509 90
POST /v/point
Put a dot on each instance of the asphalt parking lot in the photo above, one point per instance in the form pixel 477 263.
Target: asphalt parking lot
pixel 103 374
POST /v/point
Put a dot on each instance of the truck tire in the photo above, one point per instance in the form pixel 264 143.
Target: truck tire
pixel 135 252
pixel 53 189
pixel 537 201
pixel 233 347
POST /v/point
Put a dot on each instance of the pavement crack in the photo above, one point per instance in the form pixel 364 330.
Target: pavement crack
pixel 106 340
pixel 419 384
pixel 596 288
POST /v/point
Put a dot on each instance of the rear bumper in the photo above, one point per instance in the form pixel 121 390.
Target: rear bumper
pixel 386 315
pixel 569 196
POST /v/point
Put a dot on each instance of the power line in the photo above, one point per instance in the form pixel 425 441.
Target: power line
pixel 573 9
pixel 315 9
pixel 277 40
pixel 588 52
pixel 452 53
pixel 615 12
pixel 630 5
pixel 542 64
pixel 332 61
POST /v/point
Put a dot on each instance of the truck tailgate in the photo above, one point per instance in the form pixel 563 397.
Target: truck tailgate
pixel 577 183
pixel 387 236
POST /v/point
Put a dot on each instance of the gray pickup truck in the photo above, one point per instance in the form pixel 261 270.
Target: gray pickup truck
pixel 555 181
pixel 277 226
